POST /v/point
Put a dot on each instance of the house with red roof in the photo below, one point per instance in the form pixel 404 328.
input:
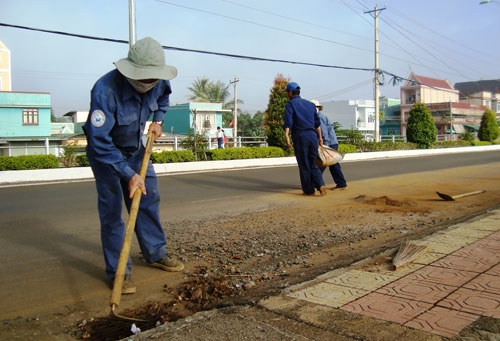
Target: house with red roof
pixel 450 115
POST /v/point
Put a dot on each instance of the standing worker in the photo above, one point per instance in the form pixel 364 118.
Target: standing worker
pixel 330 139
pixel 301 119
pixel 121 103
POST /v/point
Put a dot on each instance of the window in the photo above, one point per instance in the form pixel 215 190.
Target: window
pixel 30 117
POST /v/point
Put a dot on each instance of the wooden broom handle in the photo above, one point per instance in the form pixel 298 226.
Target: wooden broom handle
pixel 129 228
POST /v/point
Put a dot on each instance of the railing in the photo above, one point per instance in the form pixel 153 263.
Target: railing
pixel 174 143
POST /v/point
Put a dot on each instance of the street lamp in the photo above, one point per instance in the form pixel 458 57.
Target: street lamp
pixel 489 1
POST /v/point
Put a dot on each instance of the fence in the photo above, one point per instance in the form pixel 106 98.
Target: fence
pixel 175 143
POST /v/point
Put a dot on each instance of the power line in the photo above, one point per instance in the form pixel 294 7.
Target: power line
pixel 173 48
pixel 395 79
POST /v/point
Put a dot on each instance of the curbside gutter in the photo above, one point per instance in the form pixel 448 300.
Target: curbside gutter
pixel 41 176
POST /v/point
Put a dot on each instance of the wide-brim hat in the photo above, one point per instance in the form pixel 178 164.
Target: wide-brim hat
pixel 146 60
pixel 316 103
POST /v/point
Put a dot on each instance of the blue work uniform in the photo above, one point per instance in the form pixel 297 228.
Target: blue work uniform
pixel 330 140
pixel 302 120
pixel 114 131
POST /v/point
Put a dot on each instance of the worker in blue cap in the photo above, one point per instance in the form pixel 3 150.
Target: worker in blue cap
pixel 302 121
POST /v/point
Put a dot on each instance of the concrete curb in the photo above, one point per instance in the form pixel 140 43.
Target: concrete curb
pixel 31 177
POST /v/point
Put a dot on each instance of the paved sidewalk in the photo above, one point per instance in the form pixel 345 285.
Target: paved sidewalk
pixel 442 292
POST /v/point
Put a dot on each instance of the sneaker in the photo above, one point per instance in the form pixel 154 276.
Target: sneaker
pixel 339 188
pixel 128 286
pixel 168 264
pixel 322 190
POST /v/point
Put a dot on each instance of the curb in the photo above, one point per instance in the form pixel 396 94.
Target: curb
pixel 40 176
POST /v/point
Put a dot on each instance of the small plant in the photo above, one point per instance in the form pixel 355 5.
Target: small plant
pixel 197 143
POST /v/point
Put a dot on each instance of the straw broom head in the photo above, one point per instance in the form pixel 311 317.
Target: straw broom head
pixel 407 253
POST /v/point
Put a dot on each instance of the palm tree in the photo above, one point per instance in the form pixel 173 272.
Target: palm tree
pixel 204 90
pixel 199 90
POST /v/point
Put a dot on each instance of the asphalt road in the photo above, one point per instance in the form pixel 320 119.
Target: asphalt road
pixel 49 232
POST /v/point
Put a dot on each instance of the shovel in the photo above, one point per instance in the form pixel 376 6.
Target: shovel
pixel 453 197
pixel 129 232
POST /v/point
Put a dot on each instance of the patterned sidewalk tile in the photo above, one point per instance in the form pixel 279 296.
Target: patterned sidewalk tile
pixel 402 271
pixel 329 294
pixel 466 231
pixel 428 258
pixel 485 282
pixel 387 308
pixel 480 252
pixel 444 248
pixel 492 244
pixel 424 291
pixel 463 263
pixel 495 235
pixel 362 279
pixel 486 224
pixel 443 322
pixel 442 275
pixel 456 240
pixel 494 271
pixel 474 302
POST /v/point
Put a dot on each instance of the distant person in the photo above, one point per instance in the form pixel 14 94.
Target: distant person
pixel 220 138
pixel 121 103
pixel 301 119
pixel 330 139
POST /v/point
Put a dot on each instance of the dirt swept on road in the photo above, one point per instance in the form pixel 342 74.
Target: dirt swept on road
pixel 238 260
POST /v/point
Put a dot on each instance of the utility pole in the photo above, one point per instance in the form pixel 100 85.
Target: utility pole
pixel 235 119
pixel 375 14
pixel 131 22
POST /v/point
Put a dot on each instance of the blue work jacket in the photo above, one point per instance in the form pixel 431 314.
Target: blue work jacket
pixel 117 119
pixel 300 115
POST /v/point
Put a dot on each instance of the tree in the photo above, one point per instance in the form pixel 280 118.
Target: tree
pixel 274 114
pixel 421 128
pixel 251 125
pixel 204 90
pixel 488 129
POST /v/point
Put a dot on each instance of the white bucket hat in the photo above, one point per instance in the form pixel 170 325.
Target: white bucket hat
pixel 316 103
pixel 146 60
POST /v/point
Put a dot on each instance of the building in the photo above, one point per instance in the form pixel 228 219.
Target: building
pixel 25 126
pixel 202 118
pixel 5 68
pixel 352 114
pixel 450 114
pixel 481 93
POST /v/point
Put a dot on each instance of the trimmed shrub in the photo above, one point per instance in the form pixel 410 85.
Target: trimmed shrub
pixel 25 162
pixel 169 156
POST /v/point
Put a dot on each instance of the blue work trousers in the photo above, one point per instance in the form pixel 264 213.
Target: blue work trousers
pixel 336 171
pixel 306 145
pixel 111 192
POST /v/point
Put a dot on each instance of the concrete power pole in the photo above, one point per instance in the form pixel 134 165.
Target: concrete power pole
pixel 235 135
pixel 375 13
pixel 131 22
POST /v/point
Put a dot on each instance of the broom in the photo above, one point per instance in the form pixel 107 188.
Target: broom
pixel 407 253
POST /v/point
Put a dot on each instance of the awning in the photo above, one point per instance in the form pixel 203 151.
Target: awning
pixel 473 126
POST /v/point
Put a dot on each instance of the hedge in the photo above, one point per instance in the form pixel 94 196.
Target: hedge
pixel 24 162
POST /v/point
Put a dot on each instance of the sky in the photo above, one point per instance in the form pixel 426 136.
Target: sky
pixel 326 46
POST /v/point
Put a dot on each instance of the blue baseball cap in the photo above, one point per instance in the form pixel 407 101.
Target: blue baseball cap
pixel 292 86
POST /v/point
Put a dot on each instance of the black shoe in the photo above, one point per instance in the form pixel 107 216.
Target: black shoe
pixel 338 188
